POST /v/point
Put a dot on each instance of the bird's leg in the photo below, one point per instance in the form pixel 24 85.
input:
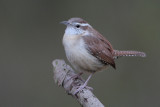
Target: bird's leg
pixel 84 85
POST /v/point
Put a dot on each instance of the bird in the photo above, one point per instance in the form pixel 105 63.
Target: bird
pixel 89 51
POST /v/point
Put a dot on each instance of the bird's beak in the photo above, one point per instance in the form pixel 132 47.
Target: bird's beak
pixel 64 22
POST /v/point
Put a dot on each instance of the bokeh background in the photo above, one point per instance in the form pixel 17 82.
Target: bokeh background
pixel 31 37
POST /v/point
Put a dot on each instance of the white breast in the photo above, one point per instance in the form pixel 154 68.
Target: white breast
pixel 77 54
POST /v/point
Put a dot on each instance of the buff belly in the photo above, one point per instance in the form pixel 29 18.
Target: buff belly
pixel 79 57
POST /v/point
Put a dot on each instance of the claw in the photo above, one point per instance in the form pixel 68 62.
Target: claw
pixel 90 88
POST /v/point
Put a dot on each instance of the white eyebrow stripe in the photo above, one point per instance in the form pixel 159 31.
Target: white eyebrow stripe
pixel 84 24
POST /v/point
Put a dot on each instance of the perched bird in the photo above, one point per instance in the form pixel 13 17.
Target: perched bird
pixel 87 50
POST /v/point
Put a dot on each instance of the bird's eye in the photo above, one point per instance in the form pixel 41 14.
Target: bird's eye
pixel 77 26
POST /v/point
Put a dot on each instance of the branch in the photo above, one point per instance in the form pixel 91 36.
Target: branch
pixel 62 76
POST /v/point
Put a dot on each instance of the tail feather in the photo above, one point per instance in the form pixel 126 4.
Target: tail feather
pixel 117 53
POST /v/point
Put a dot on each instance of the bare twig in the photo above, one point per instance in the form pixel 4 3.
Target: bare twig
pixel 62 76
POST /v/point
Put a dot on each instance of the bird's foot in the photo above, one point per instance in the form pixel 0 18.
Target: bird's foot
pixel 80 88
pixel 83 86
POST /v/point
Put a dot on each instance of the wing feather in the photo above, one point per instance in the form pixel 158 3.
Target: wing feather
pixel 100 48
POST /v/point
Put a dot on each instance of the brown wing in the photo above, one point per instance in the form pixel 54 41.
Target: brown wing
pixel 100 48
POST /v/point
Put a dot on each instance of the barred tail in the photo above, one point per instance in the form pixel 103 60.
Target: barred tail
pixel 117 53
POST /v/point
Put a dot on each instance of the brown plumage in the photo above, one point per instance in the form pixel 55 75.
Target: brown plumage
pixel 87 50
pixel 118 53
pixel 100 49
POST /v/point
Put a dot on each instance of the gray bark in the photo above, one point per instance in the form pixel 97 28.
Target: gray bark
pixel 62 76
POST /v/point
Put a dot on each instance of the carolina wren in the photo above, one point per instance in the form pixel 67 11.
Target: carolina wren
pixel 87 50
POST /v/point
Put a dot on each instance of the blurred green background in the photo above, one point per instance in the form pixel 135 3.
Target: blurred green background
pixel 31 37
